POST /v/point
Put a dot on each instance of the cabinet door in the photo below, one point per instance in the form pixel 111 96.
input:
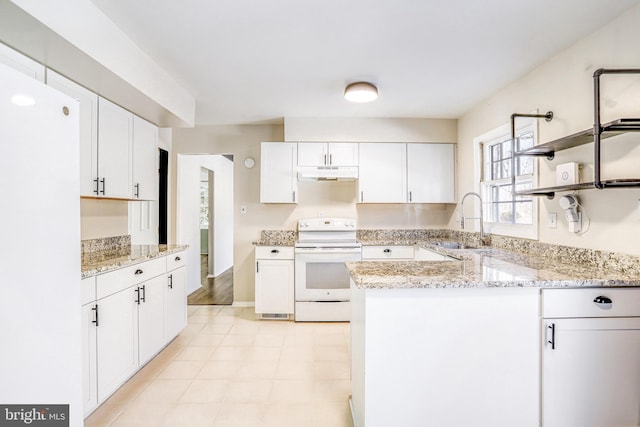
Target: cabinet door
pixel 175 303
pixel 274 286
pixel 278 181
pixel 88 103
pixel 115 126
pixel 89 374
pixel 431 173
pixel 117 340
pixel 382 176
pixel 590 377
pixel 312 154
pixel 21 63
pixel 145 160
pixel 150 318
pixel 343 154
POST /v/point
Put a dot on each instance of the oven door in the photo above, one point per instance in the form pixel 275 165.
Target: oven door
pixel 320 273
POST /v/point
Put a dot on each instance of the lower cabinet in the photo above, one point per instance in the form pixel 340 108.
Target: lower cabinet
pixel 117 340
pixel 175 303
pixel 274 280
pixel 128 317
pixel 590 357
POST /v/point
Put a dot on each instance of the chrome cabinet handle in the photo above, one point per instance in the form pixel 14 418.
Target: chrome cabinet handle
pixel 552 341
pixel 138 271
pixel 387 251
pixel 171 281
pixel 177 258
pixel 601 299
pixel 103 185
pixel 275 251
pixel 97 182
pixel 144 293
pixel 137 192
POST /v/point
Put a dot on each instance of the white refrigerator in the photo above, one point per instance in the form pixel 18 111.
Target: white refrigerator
pixel 40 329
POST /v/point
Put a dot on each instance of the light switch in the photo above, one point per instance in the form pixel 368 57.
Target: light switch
pixel 553 220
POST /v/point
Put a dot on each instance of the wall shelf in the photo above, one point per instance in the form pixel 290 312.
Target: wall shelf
pixel 548 149
pixel 596 135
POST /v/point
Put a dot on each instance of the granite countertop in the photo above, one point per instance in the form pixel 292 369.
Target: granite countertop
pixel 103 261
pixel 487 267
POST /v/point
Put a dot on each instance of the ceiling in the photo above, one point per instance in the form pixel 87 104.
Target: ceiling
pixel 259 61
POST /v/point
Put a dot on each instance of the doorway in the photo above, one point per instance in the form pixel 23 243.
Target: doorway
pixel 205 193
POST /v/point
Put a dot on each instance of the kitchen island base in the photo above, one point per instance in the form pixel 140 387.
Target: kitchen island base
pixel 445 357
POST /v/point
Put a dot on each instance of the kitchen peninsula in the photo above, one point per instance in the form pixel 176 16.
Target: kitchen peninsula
pixel 498 338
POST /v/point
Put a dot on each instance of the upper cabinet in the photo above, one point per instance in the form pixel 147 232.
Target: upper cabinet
pixel 430 173
pixel 328 154
pixel 115 151
pixel 145 160
pixel 382 176
pixel 278 181
pixel 23 64
pixel 118 150
pixel 88 107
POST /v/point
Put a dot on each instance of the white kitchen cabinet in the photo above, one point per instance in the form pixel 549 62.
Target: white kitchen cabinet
pixel 382 173
pixel 88 104
pixel 590 360
pixel 274 280
pixel 117 340
pixel 115 145
pixel 175 297
pixel 145 160
pixel 21 63
pixel 278 180
pixel 328 154
pixel 89 361
pixel 150 318
pixel 391 253
pixel 431 173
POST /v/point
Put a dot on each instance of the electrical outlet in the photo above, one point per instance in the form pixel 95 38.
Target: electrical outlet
pixel 243 209
pixel 553 220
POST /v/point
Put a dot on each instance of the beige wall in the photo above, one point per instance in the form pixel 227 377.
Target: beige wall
pixel 315 198
pixel 564 84
pixel 103 218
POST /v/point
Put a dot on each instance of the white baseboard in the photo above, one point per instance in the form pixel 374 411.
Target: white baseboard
pixel 243 304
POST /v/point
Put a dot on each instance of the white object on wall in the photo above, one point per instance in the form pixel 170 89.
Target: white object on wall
pixel 568 173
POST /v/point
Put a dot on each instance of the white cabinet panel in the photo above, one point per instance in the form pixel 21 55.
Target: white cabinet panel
pixel 117 340
pixel 590 374
pixel 89 362
pixel 278 181
pixel 115 131
pixel 175 303
pixel 431 173
pixel 21 63
pixel 274 280
pixel 382 176
pixel 328 154
pixel 145 160
pixel 88 103
pixel 150 318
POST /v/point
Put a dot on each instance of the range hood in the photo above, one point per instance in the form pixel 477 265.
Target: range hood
pixel 327 173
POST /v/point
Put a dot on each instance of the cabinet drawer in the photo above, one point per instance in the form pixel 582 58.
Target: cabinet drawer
pixel 559 303
pixel 274 252
pixel 115 281
pixel 87 290
pixel 387 252
pixel 176 260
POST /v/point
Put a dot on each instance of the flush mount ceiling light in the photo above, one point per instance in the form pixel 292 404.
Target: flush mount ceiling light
pixel 361 92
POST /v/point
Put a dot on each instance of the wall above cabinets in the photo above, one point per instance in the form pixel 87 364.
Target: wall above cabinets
pixel 386 172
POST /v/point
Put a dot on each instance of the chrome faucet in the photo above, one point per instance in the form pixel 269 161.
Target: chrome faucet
pixel 481 218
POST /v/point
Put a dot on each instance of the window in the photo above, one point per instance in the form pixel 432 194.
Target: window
pixel 504 212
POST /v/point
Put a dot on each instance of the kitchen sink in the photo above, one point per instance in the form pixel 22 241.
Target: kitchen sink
pixel 453 245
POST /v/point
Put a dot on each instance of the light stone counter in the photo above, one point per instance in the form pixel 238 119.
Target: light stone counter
pixel 103 261
pixel 490 267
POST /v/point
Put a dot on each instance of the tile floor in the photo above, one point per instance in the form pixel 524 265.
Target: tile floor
pixel 229 369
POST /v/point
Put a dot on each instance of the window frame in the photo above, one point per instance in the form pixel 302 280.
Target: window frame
pixel 529 231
